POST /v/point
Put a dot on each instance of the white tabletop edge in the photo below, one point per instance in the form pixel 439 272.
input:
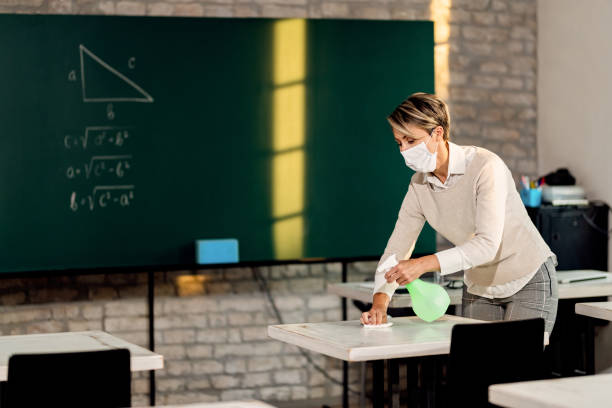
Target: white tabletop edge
pixel 147 363
pixel 220 404
pixel 397 351
pixel 598 310
pixel 141 359
pixel 568 392
pixel 278 333
pixel 509 399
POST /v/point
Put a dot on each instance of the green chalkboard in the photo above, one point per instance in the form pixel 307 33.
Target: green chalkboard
pixel 125 139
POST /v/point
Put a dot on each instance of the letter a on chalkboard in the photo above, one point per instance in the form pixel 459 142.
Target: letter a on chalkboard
pixel 103 83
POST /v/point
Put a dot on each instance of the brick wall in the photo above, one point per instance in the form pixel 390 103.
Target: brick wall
pixel 211 328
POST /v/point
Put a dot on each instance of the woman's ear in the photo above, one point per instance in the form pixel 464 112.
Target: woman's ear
pixel 438 132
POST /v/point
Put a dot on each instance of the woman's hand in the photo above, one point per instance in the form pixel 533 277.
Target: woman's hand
pixel 411 269
pixel 376 315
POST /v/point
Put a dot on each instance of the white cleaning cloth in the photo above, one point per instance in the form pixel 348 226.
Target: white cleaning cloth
pixel 389 263
pixel 380 283
pixel 379 326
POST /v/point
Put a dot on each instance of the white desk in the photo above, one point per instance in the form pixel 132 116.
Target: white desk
pixel 221 404
pixel 348 340
pixel 362 291
pixel 141 358
pixel 585 289
pixel 571 392
pixel 598 310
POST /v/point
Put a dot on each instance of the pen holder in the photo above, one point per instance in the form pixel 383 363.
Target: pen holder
pixel 531 197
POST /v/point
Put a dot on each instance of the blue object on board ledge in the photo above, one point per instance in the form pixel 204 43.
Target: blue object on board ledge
pixel 532 197
pixel 217 251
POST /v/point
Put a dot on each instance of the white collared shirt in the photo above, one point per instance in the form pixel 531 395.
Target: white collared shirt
pixel 454 259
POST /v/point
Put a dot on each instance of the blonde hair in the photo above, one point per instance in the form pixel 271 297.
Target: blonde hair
pixel 421 109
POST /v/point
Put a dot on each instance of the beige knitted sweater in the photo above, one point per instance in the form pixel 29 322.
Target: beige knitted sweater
pixel 496 234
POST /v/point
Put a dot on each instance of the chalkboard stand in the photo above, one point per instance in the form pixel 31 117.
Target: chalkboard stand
pixel 151 304
pixel 344 363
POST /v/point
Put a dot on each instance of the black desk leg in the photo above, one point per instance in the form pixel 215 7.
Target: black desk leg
pixel 412 381
pixel 430 379
pixel 3 386
pixel 345 384
pixel 441 389
pixel 589 347
pixel 151 299
pixel 345 403
pixel 393 387
pixel 378 383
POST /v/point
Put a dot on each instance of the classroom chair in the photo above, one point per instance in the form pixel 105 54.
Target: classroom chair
pixel 99 379
pixel 491 353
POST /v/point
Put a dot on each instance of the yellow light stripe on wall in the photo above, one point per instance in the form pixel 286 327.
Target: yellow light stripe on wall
pixel 289 51
pixel 286 244
pixel 288 117
pixel 287 179
pixel 288 138
pixel 440 13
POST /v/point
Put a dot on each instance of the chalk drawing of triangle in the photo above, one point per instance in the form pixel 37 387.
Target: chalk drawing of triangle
pixel 103 83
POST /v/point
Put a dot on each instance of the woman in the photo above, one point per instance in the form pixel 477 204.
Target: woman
pixel 468 195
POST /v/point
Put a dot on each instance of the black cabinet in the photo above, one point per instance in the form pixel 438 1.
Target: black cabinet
pixel 577 235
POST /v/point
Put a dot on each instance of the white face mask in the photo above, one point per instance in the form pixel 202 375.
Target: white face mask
pixel 420 159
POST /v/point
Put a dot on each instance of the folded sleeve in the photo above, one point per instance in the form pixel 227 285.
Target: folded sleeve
pixel 453 260
pixel 491 193
pixel 408 226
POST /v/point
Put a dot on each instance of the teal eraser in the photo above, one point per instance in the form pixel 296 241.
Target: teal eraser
pixel 217 251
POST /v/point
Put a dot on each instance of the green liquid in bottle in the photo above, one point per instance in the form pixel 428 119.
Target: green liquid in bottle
pixel 429 301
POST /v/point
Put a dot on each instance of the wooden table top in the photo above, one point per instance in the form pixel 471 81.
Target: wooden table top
pixel 570 392
pixel 350 341
pixel 221 404
pixel 599 310
pixel 141 358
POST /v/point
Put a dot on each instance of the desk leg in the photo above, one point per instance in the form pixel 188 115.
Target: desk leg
pixel 345 385
pixel 3 386
pixel 589 352
pixel 412 381
pixel 441 391
pixel 362 396
pixel 393 388
pixel 378 382
pixel 151 304
pixel 345 403
pixel 431 371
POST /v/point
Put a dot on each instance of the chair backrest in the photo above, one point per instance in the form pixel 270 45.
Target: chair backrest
pixel 81 379
pixel 482 354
